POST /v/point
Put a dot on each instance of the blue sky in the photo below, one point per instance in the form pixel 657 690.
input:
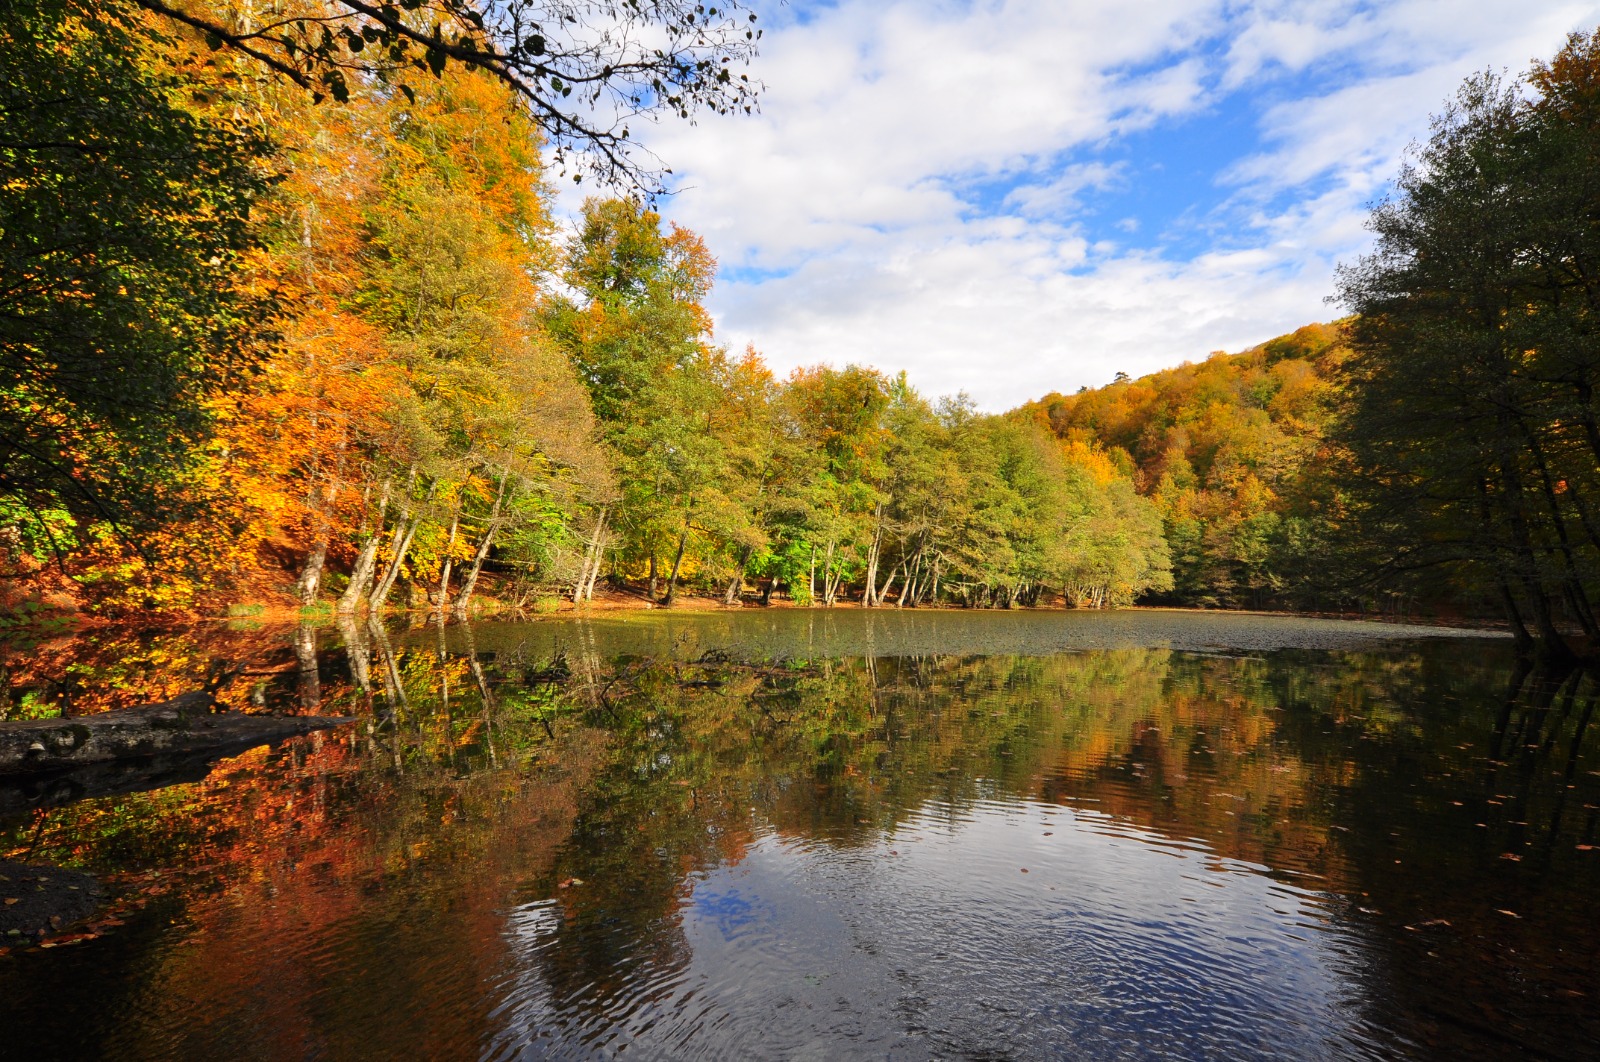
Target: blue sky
pixel 1012 198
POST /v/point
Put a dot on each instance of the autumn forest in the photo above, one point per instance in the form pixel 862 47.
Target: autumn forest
pixel 292 322
pixel 471 590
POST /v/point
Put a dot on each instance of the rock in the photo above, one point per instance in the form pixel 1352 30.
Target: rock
pixel 180 727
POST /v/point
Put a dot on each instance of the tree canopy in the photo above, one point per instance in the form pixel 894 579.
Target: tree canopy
pixel 584 69
pixel 124 217
pixel 1471 417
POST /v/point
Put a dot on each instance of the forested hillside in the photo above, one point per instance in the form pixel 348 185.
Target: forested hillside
pixel 1233 452
pixel 1441 446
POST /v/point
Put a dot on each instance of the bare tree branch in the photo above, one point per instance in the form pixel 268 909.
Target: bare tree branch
pixel 584 69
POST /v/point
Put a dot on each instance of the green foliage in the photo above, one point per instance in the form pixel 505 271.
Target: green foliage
pixel 123 216
pixel 834 481
pixel 641 316
pixel 1471 422
pixel 40 535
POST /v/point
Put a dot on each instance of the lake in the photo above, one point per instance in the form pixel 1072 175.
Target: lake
pixel 817 835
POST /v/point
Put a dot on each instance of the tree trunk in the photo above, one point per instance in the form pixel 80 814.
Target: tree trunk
pixel 584 587
pixel 1573 590
pixel 869 595
pixel 310 680
pixel 361 574
pixel 1591 430
pixel 470 583
pixel 366 560
pixel 735 584
pixel 1553 647
pixel 677 563
pixel 404 533
pixel 444 568
pixel 311 575
pixel 405 530
pixel 599 556
pixel 651 592
pixel 916 583
pixel 883 594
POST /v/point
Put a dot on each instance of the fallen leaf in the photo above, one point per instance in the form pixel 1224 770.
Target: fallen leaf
pixel 1511 914
pixel 11 900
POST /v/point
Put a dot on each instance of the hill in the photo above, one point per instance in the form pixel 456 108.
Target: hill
pixel 1228 450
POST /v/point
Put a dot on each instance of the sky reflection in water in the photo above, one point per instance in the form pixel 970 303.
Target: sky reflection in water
pixel 934 942
pixel 1081 846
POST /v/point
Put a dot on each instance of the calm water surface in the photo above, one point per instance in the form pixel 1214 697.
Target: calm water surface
pixel 856 835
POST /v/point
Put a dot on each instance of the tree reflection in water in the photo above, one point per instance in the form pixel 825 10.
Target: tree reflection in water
pixel 514 847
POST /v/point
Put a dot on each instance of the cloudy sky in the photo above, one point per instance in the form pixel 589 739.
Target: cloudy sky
pixel 1013 198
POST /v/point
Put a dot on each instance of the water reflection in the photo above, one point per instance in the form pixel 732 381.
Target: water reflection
pixel 1002 929
pixel 1130 851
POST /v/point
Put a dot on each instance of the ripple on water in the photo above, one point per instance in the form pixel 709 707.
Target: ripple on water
pixel 1115 942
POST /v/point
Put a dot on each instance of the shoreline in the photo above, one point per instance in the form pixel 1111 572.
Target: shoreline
pixel 272 614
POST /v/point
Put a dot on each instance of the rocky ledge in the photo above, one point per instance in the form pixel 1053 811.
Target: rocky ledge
pixel 181 727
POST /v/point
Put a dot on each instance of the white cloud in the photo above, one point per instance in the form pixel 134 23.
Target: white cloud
pixel 1062 193
pixel 859 190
